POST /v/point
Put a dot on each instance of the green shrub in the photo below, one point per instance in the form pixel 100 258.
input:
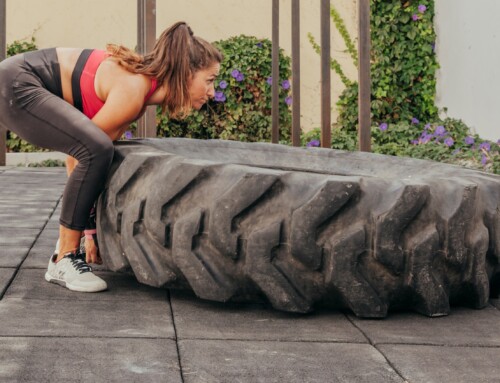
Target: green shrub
pixel 13 142
pixel 20 46
pixel 403 61
pixel 241 109
pixel 448 140
pixel 47 164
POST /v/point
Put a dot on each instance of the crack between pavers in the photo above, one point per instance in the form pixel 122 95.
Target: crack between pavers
pixel 87 337
pixel 358 328
pixel 276 340
pixel 29 250
pixel 396 370
pixel 176 337
pixel 430 344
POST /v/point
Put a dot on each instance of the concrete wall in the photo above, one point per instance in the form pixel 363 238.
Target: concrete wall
pixel 469 78
pixel 93 23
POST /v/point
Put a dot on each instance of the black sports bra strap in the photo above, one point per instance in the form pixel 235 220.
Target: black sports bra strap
pixel 75 78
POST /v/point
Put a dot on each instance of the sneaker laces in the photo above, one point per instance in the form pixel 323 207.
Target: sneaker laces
pixel 79 263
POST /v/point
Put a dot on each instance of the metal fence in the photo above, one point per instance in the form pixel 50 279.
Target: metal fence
pixel 3 52
pixel 364 77
pixel 146 27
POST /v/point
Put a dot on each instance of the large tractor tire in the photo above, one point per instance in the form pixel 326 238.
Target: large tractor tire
pixel 302 227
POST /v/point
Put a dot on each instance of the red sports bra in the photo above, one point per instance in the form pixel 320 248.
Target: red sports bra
pixel 91 103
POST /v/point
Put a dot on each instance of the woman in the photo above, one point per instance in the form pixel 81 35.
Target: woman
pixel 79 101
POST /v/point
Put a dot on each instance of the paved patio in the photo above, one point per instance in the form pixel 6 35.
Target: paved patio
pixel 133 333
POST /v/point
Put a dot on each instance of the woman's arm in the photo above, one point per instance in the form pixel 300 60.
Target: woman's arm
pixel 124 94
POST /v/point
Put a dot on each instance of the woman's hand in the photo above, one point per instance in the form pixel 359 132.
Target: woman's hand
pixel 92 252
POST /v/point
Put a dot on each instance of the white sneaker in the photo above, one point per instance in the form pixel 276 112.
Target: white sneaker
pixel 74 273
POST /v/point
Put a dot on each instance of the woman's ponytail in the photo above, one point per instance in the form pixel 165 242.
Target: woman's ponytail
pixel 176 56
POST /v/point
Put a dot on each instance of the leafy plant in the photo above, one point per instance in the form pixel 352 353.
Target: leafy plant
pixel 403 63
pixel 351 49
pixel 49 163
pixel 241 109
pixel 15 143
pixel 448 140
pixel 20 46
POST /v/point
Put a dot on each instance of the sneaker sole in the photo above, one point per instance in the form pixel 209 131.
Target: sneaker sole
pixel 71 287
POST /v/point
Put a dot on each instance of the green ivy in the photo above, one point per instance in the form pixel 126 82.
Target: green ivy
pixel 49 163
pixel 241 109
pixel 13 142
pixel 403 93
pixel 448 140
pixel 20 46
pixel 403 61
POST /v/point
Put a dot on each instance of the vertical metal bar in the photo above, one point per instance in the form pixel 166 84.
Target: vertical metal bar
pixel 364 77
pixel 296 72
pixel 146 36
pixel 3 53
pixel 275 98
pixel 326 116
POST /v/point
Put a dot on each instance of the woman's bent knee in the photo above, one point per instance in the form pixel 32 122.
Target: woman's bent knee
pixel 104 150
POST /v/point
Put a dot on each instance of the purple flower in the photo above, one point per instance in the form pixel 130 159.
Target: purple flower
pixel 422 8
pixel 427 127
pixel 498 142
pixel 219 97
pixel 223 84
pixel 288 100
pixel 383 126
pixel 440 131
pixel 425 138
pixel 414 142
pixel 259 44
pixel 285 84
pixel 485 146
pixel 456 151
pixel 240 77
pixel 415 17
pixel 469 140
pixel 269 80
pixel 484 159
pixel 433 46
pixel 128 135
pixel 415 120
pixel 313 143
pixel 449 141
pixel 235 73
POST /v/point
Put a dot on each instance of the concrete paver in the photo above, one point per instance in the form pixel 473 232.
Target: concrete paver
pixel 464 327
pixel 255 322
pixel 428 364
pixel 39 256
pixel 136 333
pixel 12 256
pixel 79 359
pixel 297 362
pixel 85 318
pixel 5 278
pixel 30 284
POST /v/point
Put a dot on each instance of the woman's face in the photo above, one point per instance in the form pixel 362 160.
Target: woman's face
pixel 201 87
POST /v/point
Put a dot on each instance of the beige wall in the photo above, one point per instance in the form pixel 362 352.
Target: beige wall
pixel 93 23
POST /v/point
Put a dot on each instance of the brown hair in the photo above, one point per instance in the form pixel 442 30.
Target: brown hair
pixel 176 56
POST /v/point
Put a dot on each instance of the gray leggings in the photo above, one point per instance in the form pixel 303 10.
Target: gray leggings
pixel 31 105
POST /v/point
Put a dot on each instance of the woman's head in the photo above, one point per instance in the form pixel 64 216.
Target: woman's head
pixel 179 61
pixel 181 55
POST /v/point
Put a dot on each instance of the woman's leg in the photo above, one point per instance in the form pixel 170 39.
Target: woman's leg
pixel 46 120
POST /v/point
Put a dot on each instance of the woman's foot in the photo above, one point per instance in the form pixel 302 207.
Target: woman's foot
pixel 74 273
